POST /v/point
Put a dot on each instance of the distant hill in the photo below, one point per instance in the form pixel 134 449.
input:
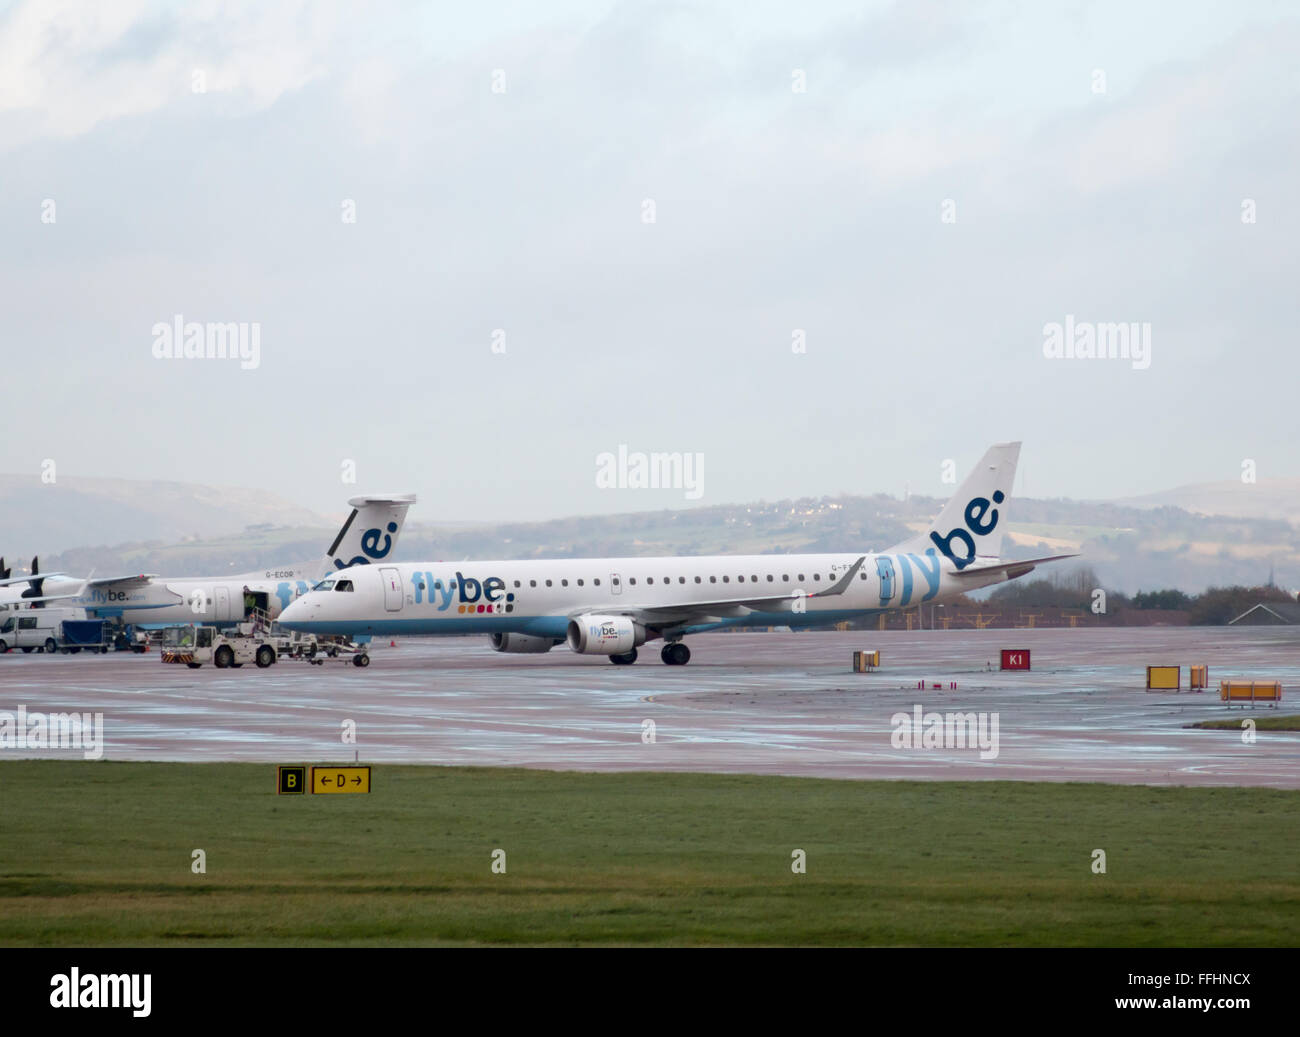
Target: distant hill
pixel 120 526
pixel 1265 499
pixel 39 518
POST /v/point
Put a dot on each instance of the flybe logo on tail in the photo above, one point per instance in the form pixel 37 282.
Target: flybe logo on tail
pixel 981 519
pixel 372 550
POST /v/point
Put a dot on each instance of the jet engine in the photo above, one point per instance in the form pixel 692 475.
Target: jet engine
pixel 522 643
pixel 604 635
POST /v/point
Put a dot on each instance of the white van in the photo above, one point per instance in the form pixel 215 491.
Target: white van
pixel 34 628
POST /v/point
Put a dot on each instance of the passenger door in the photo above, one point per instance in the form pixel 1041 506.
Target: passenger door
pixel 393 594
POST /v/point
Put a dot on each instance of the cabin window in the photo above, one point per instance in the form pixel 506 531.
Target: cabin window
pixel 548 583
pixel 726 579
pixel 770 577
pixel 564 583
pixel 713 579
pixel 596 581
pixel 579 583
pixel 532 583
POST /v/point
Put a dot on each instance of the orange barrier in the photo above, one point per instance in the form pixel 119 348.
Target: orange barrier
pixel 1250 691
pixel 1164 678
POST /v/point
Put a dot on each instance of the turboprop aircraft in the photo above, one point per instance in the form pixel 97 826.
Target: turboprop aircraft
pixel 369 535
pixel 611 606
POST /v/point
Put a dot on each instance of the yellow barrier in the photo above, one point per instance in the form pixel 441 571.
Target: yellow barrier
pixel 1250 691
pixel 865 662
pixel 1164 678
pixel 1198 677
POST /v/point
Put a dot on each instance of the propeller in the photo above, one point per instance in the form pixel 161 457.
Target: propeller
pixel 36 585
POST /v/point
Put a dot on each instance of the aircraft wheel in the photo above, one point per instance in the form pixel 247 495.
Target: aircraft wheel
pixel 626 659
pixel 675 654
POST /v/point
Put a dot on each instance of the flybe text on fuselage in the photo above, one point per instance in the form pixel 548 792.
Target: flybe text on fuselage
pixel 489 594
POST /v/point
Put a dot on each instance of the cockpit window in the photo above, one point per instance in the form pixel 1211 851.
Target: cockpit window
pixel 324 585
pixel 343 585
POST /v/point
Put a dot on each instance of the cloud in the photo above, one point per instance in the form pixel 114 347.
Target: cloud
pixel 67 67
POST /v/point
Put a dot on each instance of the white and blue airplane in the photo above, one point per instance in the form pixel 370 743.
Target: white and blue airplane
pixel 369 535
pixel 611 606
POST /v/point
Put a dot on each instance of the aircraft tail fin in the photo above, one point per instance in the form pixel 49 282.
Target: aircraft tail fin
pixel 370 532
pixel 971 524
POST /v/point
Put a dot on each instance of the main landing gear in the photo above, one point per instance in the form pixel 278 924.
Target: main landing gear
pixel 675 654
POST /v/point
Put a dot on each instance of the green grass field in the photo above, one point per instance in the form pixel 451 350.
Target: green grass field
pixel 100 853
pixel 1263 722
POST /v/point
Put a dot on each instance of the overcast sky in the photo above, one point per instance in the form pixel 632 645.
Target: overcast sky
pixel 919 188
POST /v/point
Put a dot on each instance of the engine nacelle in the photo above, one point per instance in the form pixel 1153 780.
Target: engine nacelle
pixel 604 635
pixel 522 643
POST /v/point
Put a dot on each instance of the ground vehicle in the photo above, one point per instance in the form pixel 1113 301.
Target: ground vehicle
pixel 29 628
pixel 195 645
pixel 93 635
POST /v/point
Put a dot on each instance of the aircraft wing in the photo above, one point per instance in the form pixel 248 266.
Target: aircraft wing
pixel 1011 568
pixel 695 611
pixel 121 581
pixel 29 578
pixel 101 581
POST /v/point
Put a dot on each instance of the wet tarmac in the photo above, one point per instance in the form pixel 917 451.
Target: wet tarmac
pixel 764 703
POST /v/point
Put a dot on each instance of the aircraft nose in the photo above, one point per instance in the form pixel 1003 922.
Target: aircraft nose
pixel 295 613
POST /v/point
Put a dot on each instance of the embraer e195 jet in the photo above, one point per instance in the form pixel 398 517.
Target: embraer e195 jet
pixel 611 606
